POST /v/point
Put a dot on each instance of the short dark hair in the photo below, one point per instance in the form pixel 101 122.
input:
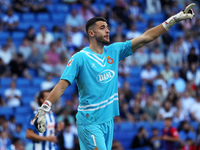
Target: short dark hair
pixel 40 96
pixel 93 21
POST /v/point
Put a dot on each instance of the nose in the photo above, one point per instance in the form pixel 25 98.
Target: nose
pixel 107 30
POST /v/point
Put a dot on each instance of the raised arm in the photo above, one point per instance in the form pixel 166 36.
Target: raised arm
pixel 157 31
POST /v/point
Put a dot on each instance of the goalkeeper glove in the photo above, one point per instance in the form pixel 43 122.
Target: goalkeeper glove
pixel 39 120
pixel 184 14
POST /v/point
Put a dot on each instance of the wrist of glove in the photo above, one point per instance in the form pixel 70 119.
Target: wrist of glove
pixel 187 13
pixel 39 120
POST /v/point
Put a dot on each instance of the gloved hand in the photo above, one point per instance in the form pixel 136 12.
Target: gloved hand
pixel 188 13
pixel 39 120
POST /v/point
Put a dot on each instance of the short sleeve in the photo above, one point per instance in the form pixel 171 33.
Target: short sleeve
pixel 123 48
pixel 72 68
pixel 174 133
pixel 30 123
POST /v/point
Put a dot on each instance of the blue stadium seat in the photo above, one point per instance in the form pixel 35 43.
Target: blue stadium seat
pixel 51 8
pixel 43 17
pixel 126 126
pixel 24 26
pixel 5 82
pixel 28 17
pixel 158 17
pixel 62 8
pixel 158 124
pixel 144 124
pixel 37 81
pixel 22 82
pixel 26 100
pixel 141 26
pixel 18 36
pixel 22 119
pixel 6 111
pixel 58 17
pixel 4 36
pixel 194 124
pixel 23 110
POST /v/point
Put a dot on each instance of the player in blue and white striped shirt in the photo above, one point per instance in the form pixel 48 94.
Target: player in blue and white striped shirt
pixel 95 70
pixel 47 139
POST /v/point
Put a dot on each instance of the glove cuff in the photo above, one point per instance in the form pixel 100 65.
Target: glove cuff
pixel 46 106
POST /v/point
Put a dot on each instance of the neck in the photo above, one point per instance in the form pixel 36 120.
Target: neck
pixel 96 47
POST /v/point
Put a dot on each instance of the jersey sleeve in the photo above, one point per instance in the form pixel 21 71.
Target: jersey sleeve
pixel 174 132
pixel 72 69
pixel 123 48
pixel 30 123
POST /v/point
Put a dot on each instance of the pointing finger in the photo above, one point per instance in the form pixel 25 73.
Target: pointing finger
pixel 189 7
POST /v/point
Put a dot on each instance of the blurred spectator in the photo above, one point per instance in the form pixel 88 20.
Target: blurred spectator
pixel 187 101
pixel 52 55
pixel 155 143
pixel 141 139
pixel 166 110
pixel 3 68
pixel 186 133
pixel 35 59
pixel 172 97
pixel 149 75
pixel 124 113
pixel 30 35
pixel 150 110
pixel 161 93
pixel 193 74
pixel 118 34
pixel 116 145
pixel 44 37
pixel 74 19
pixel 196 29
pixel 21 6
pixel 2 103
pixel 179 83
pixel 198 136
pixel 167 73
pixel 170 135
pixel 13 95
pixel 144 95
pixel 25 49
pixel 167 39
pixel 70 1
pixel 60 66
pixel 157 58
pixel 183 71
pixel 127 92
pixel 194 109
pixel 61 49
pixel 174 57
pixel 160 81
pixel 18 67
pixel 10 21
pixel 38 6
pixel 11 47
pixel 153 7
pixel 137 112
pixel 77 36
pixel 192 57
pixel 135 11
pixel 124 70
pixel 180 114
pixel 133 33
pixel 70 45
pixel 19 133
pixel 192 43
pixel 12 124
pixel 57 33
pixel 45 68
pixel 182 47
pixel 17 144
pixel 5 5
pixel 48 83
pixel 5 142
pixel 88 11
pixel 140 57
pixel 5 54
pixel 68 137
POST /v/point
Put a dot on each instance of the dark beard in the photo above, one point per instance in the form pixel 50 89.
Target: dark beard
pixel 101 40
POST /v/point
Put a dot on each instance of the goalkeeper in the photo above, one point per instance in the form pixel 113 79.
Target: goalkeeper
pixel 95 69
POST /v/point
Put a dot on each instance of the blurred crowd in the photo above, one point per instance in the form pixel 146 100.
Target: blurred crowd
pixel 169 76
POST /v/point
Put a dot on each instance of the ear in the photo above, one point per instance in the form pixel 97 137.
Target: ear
pixel 91 33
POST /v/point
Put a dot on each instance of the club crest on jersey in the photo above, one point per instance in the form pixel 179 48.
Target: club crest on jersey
pixel 109 60
pixel 69 63
pixel 105 76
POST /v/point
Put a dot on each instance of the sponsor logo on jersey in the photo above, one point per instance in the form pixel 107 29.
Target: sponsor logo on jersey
pixel 69 63
pixel 96 148
pixel 109 60
pixel 105 76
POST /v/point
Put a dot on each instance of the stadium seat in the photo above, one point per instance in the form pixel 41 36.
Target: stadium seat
pixel 37 81
pixel 158 124
pixel 18 36
pixel 5 82
pixel 4 35
pixel 30 17
pixel 51 8
pixel 6 111
pixel 26 100
pixel 126 126
pixel 58 17
pixel 43 17
pixel 194 124
pixel 141 26
pixel 24 26
pixel 62 8
pixel 22 82
pixel 22 119
pixel 23 110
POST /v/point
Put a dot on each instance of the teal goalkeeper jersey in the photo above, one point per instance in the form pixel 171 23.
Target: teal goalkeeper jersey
pixel 96 76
